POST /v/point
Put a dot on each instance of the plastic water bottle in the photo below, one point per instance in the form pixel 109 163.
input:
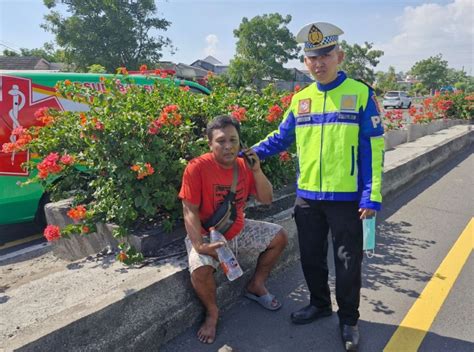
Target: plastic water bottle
pixel 369 235
pixel 227 258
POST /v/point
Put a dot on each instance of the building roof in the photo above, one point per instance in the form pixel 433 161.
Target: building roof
pixel 212 60
pixel 23 63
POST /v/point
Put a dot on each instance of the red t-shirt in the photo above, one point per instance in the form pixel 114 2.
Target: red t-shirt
pixel 206 183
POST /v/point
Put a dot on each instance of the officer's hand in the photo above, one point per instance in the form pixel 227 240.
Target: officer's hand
pixel 366 213
pixel 209 248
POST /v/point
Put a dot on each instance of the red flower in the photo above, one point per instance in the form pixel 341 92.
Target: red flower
pixel 77 213
pixel 274 113
pixel 67 159
pixel 49 166
pixel 85 229
pixel 52 232
pixel 286 100
pixel 185 88
pixel 297 88
pixel 143 68
pixel 122 70
pixel 285 156
pixel 157 72
pixel 43 116
pixel 97 124
pixel 238 112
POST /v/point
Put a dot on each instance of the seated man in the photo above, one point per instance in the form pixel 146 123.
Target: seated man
pixel 206 181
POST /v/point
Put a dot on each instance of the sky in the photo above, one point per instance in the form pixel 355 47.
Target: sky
pixel 407 31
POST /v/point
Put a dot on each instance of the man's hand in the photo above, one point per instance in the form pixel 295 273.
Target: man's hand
pixel 208 248
pixel 366 213
pixel 252 159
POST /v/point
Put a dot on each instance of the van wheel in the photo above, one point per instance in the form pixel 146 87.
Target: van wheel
pixel 409 105
pixel 40 216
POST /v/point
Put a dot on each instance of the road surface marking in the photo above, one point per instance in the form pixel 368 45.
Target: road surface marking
pixel 21 241
pixel 412 330
pixel 23 251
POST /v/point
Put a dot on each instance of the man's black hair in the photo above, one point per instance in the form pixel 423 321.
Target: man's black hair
pixel 220 122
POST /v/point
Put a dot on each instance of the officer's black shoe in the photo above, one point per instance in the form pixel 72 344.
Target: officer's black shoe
pixel 309 313
pixel 350 337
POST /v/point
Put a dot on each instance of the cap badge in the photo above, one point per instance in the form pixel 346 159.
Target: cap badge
pixel 315 36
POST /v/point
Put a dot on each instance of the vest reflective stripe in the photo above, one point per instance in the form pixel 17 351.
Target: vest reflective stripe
pixel 377 146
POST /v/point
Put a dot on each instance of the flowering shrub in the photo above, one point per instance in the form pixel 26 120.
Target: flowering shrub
pixel 122 160
pixel 458 105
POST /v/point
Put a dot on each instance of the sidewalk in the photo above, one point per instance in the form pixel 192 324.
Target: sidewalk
pixel 98 304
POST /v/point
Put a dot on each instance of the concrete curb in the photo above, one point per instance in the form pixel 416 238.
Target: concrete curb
pixel 159 304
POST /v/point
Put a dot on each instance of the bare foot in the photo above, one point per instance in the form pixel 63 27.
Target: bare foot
pixel 207 332
pixel 258 290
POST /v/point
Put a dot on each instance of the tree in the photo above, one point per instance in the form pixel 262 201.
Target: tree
pixel 386 81
pixel 359 61
pixel 10 53
pixel 264 44
pixel 108 33
pixel 432 72
pixel 47 52
pixel 95 68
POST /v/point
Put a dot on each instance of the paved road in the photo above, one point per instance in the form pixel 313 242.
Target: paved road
pixel 417 229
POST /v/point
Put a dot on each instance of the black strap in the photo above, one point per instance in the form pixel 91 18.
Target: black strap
pixel 225 207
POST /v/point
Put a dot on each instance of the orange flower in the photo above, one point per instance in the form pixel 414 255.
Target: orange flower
pixel 143 170
pixel 83 119
pixel 169 115
pixel 67 82
pixel 77 213
pixel 85 229
pixel 122 256
pixel 143 68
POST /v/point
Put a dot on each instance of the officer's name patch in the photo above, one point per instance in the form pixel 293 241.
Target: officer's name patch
pixel 304 106
pixel 348 103
pixel 302 119
pixel 347 116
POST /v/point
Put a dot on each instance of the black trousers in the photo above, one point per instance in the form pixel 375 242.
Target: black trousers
pixel 314 219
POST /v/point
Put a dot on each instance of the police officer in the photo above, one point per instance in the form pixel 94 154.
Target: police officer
pixel 336 125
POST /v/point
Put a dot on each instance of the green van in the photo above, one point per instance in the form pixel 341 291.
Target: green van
pixel 22 93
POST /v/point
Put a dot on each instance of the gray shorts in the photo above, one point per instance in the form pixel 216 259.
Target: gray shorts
pixel 252 240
